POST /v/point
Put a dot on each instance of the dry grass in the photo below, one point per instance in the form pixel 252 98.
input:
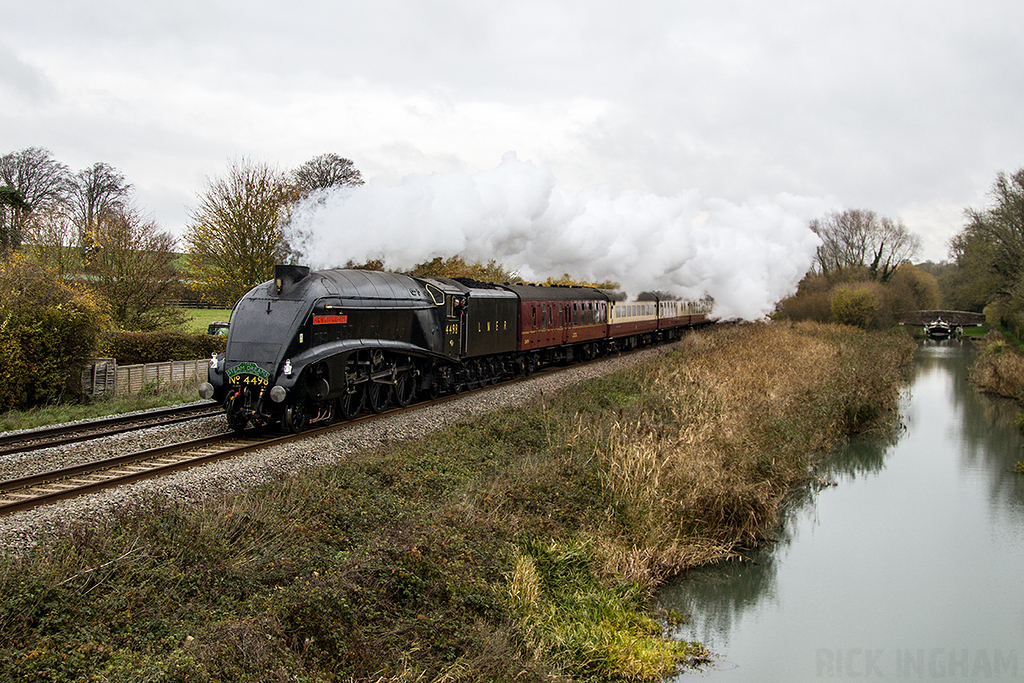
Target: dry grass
pixel 750 409
pixel 999 368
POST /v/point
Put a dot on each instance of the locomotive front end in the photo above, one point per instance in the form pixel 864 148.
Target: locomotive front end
pixel 254 376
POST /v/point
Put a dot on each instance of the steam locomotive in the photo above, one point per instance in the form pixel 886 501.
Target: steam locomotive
pixel 313 347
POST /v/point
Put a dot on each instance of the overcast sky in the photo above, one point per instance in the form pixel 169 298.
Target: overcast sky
pixel 909 108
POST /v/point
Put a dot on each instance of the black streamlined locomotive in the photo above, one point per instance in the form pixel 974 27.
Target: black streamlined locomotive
pixel 312 347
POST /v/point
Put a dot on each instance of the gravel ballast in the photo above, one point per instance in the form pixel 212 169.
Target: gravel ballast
pixel 23 530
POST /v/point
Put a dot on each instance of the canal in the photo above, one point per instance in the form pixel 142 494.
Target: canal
pixel 910 567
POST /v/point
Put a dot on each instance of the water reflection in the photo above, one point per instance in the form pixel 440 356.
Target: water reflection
pixel 917 549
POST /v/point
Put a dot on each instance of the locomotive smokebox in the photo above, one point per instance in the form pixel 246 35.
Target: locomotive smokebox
pixel 286 276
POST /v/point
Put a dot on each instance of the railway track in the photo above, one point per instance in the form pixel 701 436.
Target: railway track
pixel 47 437
pixel 48 487
pixel 31 491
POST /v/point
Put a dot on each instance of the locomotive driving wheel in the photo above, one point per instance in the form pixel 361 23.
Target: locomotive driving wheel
pixel 349 404
pixel 405 389
pixel 377 396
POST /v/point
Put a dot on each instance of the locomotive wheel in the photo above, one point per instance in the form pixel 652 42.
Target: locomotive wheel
pixel 349 404
pixel 377 396
pixel 405 389
pixel 295 417
pixel 236 418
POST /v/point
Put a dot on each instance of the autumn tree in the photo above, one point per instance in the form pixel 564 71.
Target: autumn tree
pixel 41 183
pixel 235 235
pixel 567 280
pixel 47 330
pixel 306 183
pixel 856 238
pixel 12 207
pixel 133 267
pixel 989 253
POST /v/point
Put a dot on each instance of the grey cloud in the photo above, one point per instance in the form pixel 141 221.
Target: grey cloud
pixel 22 80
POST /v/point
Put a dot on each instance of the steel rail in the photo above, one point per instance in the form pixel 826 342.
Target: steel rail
pixel 48 437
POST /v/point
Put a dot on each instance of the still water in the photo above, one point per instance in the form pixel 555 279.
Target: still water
pixel 911 567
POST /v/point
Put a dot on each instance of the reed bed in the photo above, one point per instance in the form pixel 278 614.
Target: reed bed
pixel 999 368
pixel 741 417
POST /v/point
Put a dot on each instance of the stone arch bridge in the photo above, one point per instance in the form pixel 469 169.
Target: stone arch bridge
pixel 954 318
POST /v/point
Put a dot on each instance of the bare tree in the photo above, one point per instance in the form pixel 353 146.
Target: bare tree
pixel 856 238
pixel 97 192
pixel 41 183
pixel 134 269
pixel 325 171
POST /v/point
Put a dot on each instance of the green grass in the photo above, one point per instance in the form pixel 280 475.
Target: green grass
pixel 43 416
pixel 198 319
pixel 977 331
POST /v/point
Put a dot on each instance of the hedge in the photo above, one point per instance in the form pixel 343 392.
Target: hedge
pixel 130 348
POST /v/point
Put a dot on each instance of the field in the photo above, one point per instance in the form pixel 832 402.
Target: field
pixel 520 546
pixel 198 319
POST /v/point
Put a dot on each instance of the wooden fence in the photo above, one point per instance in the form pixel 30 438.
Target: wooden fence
pixel 103 376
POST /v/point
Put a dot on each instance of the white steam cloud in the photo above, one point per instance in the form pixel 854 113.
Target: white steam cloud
pixel 746 256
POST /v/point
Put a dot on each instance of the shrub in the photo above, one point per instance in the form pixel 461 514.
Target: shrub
pixel 811 301
pixel 47 330
pixel 854 305
pixel 156 347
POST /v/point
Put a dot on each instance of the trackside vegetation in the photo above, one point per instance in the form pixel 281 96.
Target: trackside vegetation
pixel 523 545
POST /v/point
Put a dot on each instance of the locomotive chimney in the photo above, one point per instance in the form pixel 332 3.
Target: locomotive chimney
pixel 286 276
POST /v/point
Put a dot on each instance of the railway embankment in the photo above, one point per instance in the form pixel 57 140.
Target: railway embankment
pixel 518 542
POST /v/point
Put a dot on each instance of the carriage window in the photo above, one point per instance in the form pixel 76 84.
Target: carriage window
pixel 534 317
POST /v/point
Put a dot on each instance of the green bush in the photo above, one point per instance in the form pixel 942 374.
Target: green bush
pixel 854 305
pixel 47 330
pixel 156 347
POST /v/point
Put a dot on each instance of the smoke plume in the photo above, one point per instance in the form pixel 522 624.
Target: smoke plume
pixel 746 256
